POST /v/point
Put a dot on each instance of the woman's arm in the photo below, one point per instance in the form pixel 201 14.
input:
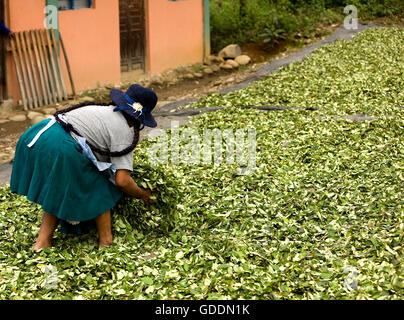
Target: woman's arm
pixel 125 182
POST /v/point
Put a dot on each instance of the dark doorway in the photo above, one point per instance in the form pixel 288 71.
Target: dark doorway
pixel 132 34
pixel 3 39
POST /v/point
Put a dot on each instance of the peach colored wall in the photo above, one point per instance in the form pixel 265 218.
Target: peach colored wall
pixel 91 38
pixel 21 15
pixel 174 33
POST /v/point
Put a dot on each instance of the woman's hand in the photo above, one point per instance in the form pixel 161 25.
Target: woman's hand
pixel 146 196
pixel 125 182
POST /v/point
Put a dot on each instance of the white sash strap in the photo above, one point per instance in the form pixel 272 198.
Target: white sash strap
pixel 50 124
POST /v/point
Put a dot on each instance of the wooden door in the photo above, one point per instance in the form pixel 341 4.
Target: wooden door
pixel 132 33
pixel 3 39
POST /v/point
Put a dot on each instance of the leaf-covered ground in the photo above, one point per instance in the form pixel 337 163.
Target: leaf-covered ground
pixel 326 198
pixel 347 77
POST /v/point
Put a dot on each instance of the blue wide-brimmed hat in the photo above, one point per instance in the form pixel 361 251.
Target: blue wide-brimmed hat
pixel 137 102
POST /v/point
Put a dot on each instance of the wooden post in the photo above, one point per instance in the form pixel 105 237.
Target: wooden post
pixel 68 66
pixel 19 75
pixel 57 56
pixel 24 70
pixel 38 93
pixel 47 64
pixel 42 64
pixel 53 64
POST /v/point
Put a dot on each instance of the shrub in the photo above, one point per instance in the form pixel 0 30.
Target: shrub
pixel 243 21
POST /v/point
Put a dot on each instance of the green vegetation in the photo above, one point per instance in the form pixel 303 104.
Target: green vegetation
pixel 159 217
pixel 326 196
pixel 243 21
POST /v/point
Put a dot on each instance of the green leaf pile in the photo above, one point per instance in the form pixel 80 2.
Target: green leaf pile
pixel 321 217
pixel 347 77
pixel 159 216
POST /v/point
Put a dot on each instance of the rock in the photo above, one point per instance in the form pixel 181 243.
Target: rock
pixel 217 83
pixel 243 60
pixel 226 66
pixel 72 103
pixel 210 60
pixel 214 68
pixel 229 80
pixel 7 106
pixel 198 75
pixel 208 70
pixel 49 110
pixel 231 51
pixel 157 82
pixel 86 99
pixel 233 63
pixel 32 114
pixel 58 108
pixel 4 121
pixel 188 76
pixel 20 117
pixel 38 119
pixel 162 103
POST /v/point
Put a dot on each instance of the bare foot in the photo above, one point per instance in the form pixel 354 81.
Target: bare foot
pixel 42 245
pixel 106 241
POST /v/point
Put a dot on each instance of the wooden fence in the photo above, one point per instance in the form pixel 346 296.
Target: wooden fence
pixel 37 63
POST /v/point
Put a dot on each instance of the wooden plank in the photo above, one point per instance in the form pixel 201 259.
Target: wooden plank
pixel 39 66
pixel 27 64
pixel 51 82
pixel 53 64
pixel 48 94
pixel 60 73
pixel 24 70
pixel 67 65
pixel 19 75
pixel 34 69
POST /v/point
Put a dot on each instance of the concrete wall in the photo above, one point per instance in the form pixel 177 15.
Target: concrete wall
pixel 174 33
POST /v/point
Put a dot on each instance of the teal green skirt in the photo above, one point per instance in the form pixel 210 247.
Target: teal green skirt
pixel 55 174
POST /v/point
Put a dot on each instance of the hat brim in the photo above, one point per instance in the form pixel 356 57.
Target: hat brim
pixel 149 120
pixel 118 97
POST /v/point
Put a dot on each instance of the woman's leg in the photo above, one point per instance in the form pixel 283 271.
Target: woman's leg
pixel 48 226
pixel 103 223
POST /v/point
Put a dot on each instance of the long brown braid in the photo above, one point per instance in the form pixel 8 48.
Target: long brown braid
pixel 69 128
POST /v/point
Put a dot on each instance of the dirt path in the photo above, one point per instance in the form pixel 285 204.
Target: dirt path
pixel 173 97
